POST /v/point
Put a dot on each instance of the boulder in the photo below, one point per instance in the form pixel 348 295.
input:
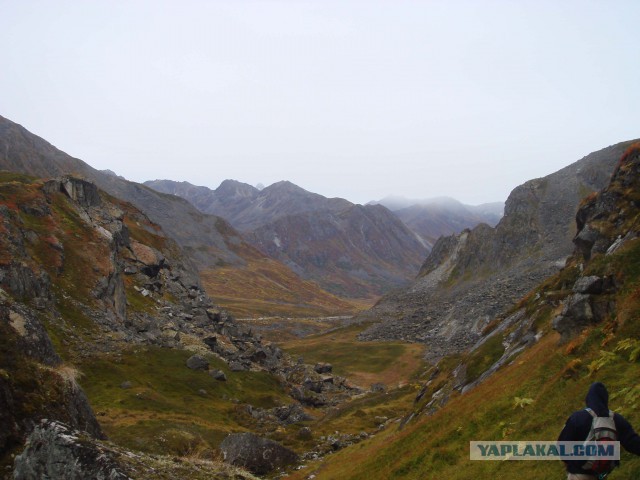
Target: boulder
pixel 578 306
pixel 259 455
pixel 323 368
pixel 151 259
pixel 576 314
pixel 196 362
pixel 378 388
pixel 585 241
pixel 54 450
pixel 590 284
pixel 218 375
pixel 237 366
pixel 292 413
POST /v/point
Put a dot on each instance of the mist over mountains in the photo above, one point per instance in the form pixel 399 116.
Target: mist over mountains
pixel 435 217
pixel 209 243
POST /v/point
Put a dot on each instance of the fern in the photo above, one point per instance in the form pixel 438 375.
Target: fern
pixel 629 344
pixel 629 396
pixel 522 402
pixel 604 359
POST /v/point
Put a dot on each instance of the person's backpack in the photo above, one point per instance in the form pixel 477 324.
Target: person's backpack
pixel 603 429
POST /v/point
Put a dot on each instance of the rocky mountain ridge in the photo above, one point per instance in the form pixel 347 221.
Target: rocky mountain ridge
pixel 474 277
pixel 352 250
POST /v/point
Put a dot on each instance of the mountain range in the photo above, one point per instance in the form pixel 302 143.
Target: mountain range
pixel 349 249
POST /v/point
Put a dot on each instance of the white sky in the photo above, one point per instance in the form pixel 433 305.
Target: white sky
pixel 357 99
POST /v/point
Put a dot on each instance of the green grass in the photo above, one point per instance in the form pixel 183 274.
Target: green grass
pixel 365 363
pixel 7 177
pixel 165 399
pixel 485 356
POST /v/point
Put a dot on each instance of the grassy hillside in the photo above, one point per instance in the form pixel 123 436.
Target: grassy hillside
pixel 365 363
pixel 146 399
pixel 530 397
pixel 266 287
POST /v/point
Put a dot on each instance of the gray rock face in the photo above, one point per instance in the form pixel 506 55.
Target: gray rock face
pixel 591 284
pixel 55 451
pixel 80 191
pixel 259 455
pixel 576 314
pixel 604 222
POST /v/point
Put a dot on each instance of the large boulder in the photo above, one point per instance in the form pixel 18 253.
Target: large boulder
pixel 196 362
pixel 259 455
pixel 576 315
pixel 54 450
pixel 591 284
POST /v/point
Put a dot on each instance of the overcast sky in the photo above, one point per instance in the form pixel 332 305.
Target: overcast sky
pixel 356 99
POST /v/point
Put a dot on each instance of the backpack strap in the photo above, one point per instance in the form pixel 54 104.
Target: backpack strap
pixel 611 414
pixel 592 413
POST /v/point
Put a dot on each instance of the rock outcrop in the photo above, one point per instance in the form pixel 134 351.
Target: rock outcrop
pixel 606 221
pixel 56 451
pixel 34 382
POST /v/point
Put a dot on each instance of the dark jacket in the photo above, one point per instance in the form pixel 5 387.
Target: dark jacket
pixel 579 424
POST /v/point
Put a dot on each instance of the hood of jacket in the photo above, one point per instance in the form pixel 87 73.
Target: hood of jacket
pixel 598 399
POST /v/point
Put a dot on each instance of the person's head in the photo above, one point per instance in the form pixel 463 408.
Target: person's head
pixel 598 399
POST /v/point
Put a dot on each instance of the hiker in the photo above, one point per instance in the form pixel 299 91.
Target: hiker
pixel 578 429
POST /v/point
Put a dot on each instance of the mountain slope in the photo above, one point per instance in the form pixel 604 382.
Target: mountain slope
pixel 469 279
pixel 361 250
pixel 209 241
pixel 532 377
pixel 348 249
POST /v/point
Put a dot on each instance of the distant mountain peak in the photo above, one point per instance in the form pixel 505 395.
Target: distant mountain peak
pixel 285 186
pixel 235 188
pixel 112 174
